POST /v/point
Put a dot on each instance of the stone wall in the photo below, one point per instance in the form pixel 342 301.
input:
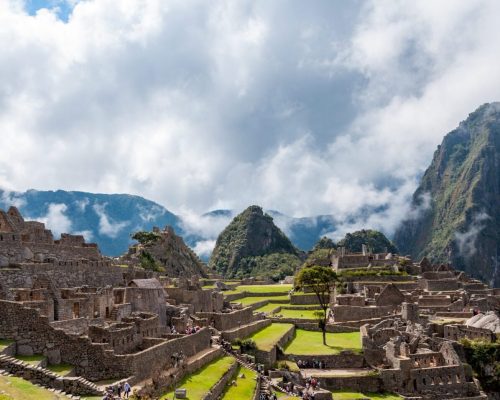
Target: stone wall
pixel 346 359
pixel 367 383
pixel 245 331
pixel 25 275
pixel 227 321
pixel 353 313
pixel 44 377
pixel 217 390
pixel 457 332
pixel 92 360
pixel 303 299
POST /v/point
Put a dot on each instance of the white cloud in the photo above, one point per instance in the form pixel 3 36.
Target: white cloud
pixel 207 226
pixel 82 204
pixel 329 109
pixel 466 241
pixel 107 226
pixel 204 248
pixel 56 220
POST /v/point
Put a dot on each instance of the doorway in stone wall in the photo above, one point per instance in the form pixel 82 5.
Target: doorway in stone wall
pixel 76 310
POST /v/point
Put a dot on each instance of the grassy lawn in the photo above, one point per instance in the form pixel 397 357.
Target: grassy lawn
pixel 268 308
pixel 13 388
pixel 199 383
pixel 299 314
pixel 345 395
pixel 245 387
pixel 33 360
pixel 4 343
pixel 311 343
pixel 60 369
pixel 261 289
pixel 266 338
pixel 246 301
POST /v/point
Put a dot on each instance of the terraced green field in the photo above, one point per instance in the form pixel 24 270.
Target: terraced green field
pixel 298 314
pixel 60 369
pixel 13 388
pixel 311 343
pixel 4 343
pixel 199 383
pixel 245 387
pixel 33 360
pixel 268 308
pixel 267 338
pixel 261 289
pixel 247 301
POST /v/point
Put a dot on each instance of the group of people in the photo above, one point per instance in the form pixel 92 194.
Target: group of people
pixel 192 329
pixel 116 392
pixel 311 364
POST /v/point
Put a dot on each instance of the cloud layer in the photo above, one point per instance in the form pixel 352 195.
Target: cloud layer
pixel 334 108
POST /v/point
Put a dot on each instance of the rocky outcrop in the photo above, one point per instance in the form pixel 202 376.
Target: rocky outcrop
pixel 165 251
pixel 456 208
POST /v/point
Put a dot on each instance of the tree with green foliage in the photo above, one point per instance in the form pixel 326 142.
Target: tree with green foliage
pixel 325 243
pixel 484 358
pixel 146 238
pixel 321 281
pixel 148 261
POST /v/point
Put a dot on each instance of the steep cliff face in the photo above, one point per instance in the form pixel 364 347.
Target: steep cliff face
pixel 456 208
pixel 248 242
pixel 166 251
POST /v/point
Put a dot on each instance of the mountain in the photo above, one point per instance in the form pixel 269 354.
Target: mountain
pixel 253 244
pixel 107 219
pixel 375 240
pixel 165 251
pixel 456 208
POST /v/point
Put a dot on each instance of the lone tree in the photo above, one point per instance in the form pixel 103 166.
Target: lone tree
pixel 320 280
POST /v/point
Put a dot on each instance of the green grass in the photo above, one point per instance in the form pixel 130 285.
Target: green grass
pixel 60 369
pixel 245 387
pixel 261 289
pixel 266 338
pixel 4 343
pixel 247 301
pixel 346 395
pixel 199 383
pixel 311 343
pixel 13 388
pixel 34 360
pixel 268 308
pixel 298 314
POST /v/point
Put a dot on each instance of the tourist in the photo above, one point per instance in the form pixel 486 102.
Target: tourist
pixel 119 390
pixel 127 389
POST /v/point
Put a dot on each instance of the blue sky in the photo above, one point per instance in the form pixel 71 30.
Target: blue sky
pixel 331 108
pixel 62 8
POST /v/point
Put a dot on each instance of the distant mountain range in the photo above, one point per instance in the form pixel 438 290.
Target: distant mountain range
pixel 110 219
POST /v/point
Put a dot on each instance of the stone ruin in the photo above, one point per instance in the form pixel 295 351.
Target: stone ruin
pixel 112 321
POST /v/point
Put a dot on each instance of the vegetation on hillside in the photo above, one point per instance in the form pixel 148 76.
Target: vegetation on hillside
pixel 252 245
pixel 376 241
pixel 456 212
pixel 484 358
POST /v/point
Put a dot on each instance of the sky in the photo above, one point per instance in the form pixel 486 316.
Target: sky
pixel 329 107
